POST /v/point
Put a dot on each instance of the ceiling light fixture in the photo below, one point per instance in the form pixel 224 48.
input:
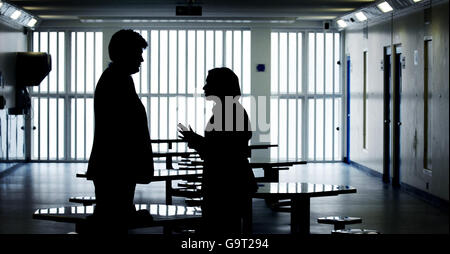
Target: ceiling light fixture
pixel 385 7
pixel 360 16
pixel 32 22
pixel 13 15
pixel 16 14
pixel 341 23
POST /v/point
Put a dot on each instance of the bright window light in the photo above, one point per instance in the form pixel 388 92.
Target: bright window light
pixel 384 7
pixel 360 16
pixel 341 23
pixel 1 4
pixel 16 14
pixel 32 22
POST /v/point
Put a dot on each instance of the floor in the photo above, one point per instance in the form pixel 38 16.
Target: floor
pixel 390 211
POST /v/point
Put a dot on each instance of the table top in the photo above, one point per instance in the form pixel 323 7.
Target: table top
pixel 274 163
pixel 174 153
pixel 253 163
pixel 167 174
pixel 253 146
pixel 292 190
pixel 77 213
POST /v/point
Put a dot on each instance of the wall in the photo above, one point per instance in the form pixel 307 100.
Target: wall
pixel 409 31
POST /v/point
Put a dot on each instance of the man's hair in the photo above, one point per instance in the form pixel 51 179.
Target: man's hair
pixel 123 41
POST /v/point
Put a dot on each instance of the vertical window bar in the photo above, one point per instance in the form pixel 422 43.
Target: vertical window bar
pixel 39 108
pixel 159 85
pixel 305 107
pixel 204 75
pixel 84 96
pixel 296 100
pixel 57 96
pixel 278 97
pixel 186 90
pixel 315 94
pixel 224 46
pixel 140 75
pixel 334 95
pixel 67 102
pixel 214 48
pixel 168 84
pixel 242 65
pixel 287 91
pixel 324 92
pixel 177 88
pixel 195 80
pixel 48 101
pixel 232 50
pixel 149 74
pixel 75 97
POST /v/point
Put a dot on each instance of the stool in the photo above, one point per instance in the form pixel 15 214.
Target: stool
pixel 354 231
pixel 339 222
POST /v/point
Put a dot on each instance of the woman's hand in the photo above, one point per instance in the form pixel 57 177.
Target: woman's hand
pixel 188 135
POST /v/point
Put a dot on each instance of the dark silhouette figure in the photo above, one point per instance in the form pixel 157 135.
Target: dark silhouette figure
pixel 228 181
pixel 121 153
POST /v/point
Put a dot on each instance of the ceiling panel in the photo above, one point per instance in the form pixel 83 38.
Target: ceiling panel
pixel 98 9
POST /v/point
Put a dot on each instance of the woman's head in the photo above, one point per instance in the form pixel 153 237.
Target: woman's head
pixel 222 82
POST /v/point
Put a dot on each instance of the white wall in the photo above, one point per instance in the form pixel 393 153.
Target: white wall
pixel 409 31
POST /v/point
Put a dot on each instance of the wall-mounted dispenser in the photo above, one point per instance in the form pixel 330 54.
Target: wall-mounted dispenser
pixel 30 69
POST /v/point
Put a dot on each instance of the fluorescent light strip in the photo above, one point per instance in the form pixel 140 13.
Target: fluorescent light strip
pixel 32 22
pixel 360 16
pixel 16 14
pixel 341 23
pixel 384 7
pixel 416 1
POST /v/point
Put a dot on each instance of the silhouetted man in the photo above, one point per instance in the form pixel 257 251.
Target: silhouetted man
pixel 121 153
pixel 228 181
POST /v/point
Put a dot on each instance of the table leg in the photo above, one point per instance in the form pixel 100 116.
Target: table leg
pixel 169 162
pixel 168 192
pixel 300 215
pixel 270 174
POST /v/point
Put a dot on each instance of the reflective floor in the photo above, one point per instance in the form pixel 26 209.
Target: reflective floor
pixel 387 210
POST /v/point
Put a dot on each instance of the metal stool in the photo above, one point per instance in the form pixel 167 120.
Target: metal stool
pixel 354 231
pixel 339 222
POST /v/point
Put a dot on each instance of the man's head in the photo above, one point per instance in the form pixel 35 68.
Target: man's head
pixel 125 48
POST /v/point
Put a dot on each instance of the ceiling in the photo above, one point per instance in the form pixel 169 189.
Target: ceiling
pixel 231 9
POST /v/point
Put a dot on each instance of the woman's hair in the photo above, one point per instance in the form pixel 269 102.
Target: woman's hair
pixel 223 82
pixel 124 41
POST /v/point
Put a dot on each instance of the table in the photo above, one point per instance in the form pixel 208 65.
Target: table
pixel 168 175
pixel 300 195
pixel 271 168
pixel 163 215
pixel 168 141
pixel 169 155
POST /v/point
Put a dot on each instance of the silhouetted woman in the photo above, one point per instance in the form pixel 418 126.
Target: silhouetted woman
pixel 228 179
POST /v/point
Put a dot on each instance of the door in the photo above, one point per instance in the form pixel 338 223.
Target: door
pixel 387 115
pixel 397 90
pixel 347 158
